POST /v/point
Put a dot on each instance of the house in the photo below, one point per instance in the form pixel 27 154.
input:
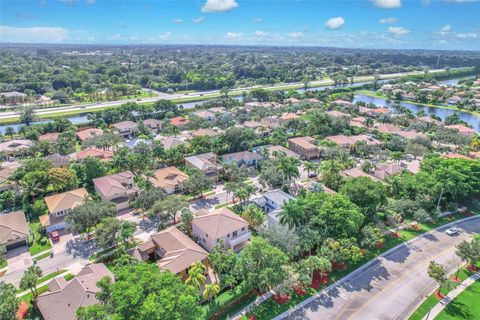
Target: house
pixel 171 250
pixel 336 114
pixel 59 205
pixel 464 130
pixel 169 179
pixel 304 147
pixel 13 230
pixel 355 173
pixel 170 142
pixel 271 122
pixel 288 117
pixel 179 122
pixel 131 144
pixel 6 170
pixel 272 202
pixel 242 158
pixel 102 155
pixel 274 151
pixel 357 124
pixel 126 129
pixel 453 100
pixel 341 140
pixel 50 137
pixel 58 160
pixel 205 132
pixel 206 163
pixel 153 125
pixel 368 140
pixel 15 147
pixel 217 110
pixel 206 115
pixel 221 225
pixel 388 128
pixel 429 120
pixel 410 135
pixel 252 124
pixel 384 170
pixel 63 297
pixel 118 188
pixel 88 133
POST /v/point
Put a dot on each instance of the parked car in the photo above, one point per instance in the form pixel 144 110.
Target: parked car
pixel 55 236
pixel 452 231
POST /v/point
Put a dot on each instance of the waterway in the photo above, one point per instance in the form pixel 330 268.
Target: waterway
pixel 471 119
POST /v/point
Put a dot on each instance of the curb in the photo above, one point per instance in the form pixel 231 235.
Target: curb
pixel 367 265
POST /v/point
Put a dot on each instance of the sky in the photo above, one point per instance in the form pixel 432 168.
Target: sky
pixel 409 24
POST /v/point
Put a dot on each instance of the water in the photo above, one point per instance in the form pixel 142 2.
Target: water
pixel 471 119
pixel 451 82
pixel 80 119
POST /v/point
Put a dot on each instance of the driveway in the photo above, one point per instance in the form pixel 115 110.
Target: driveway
pixel 393 285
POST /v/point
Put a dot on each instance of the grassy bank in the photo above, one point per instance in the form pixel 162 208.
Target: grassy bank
pixel 465 306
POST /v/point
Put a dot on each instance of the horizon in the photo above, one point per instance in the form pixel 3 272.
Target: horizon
pixel 450 25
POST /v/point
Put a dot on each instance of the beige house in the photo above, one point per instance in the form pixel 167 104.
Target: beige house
pixel 13 230
pixel 169 179
pixel 125 129
pixel 355 173
pixel 466 131
pixel 88 133
pixel 274 151
pixel 221 225
pixel 153 125
pixel 172 250
pixel 304 147
pixel 118 188
pixel 206 163
pixel 102 155
pixel 63 297
pixel 59 205
pixel 15 147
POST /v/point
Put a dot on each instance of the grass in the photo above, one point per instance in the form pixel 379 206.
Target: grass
pixel 465 306
pixel 222 205
pixel 3 263
pixel 68 276
pixel 43 256
pixel 45 278
pixel 432 299
pixel 29 296
pixel 226 302
pixel 36 242
pixel 270 309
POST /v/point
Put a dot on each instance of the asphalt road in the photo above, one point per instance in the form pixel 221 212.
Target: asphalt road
pixel 393 285
pixel 203 94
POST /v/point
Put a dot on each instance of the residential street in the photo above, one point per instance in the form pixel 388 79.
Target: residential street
pixel 393 285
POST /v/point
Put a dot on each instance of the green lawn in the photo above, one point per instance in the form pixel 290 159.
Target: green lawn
pixel 46 278
pixel 43 256
pixel 37 243
pixel 28 297
pixel 465 306
pixel 3 263
pixel 226 302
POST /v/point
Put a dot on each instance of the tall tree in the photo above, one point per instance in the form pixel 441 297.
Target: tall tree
pixel 438 273
pixel 196 275
pixel 113 233
pixel 30 279
pixel 254 216
pixel 86 216
pixel 8 301
pixel 167 209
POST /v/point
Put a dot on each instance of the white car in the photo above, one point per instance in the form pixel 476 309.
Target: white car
pixel 452 231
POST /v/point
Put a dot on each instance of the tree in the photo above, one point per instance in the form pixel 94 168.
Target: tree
pixel 308 266
pixel 260 265
pixel 331 174
pixel 147 198
pixel 113 233
pixel 371 236
pixel 293 214
pixel 469 251
pixel 243 191
pixel 27 115
pixel 341 251
pixel 8 301
pixel 223 262
pixel 93 168
pixel 438 273
pixel 269 174
pixel 309 167
pixel 288 166
pixel 168 208
pixel 142 292
pixel 254 216
pixel 197 183
pixel 421 215
pixel 86 216
pixel 367 194
pixel 30 280
pixel 9 131
pixel 196 276
pixel 61 179
pixel 211 290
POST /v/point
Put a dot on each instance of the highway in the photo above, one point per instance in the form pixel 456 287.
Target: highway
pixel 393 285
pixel 201 95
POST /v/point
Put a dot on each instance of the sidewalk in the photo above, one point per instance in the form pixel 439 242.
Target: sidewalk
pixel 450 296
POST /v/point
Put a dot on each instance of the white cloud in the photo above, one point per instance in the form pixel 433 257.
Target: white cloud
pixel 177 21
pixel 33 34
pixel 90 1
pixel 442 41
pixel 260 33
pixel 334 23
pixel 234 35
pixel 469 35
pixel 257 20
pixel 462 1
pixel 387 4
pixel 398 31
pixel 388 20
pixel 91 39
pixel 295 35
pixel 219 5
pixel 122 38
pixel 69 2
pixel 165 35
pixel 198 20
pixel 446 28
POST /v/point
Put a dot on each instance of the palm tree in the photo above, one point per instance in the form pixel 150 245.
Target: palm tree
pixel 292 215
pixel 331 176
pixel 229 187
pixel 211 290
pixel 9 131
pixel 254 216
pixel 30 279
pixel 196 277
pixel 289 168
pixel 309 167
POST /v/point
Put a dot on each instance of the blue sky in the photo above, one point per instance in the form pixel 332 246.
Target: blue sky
pixel 429 24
